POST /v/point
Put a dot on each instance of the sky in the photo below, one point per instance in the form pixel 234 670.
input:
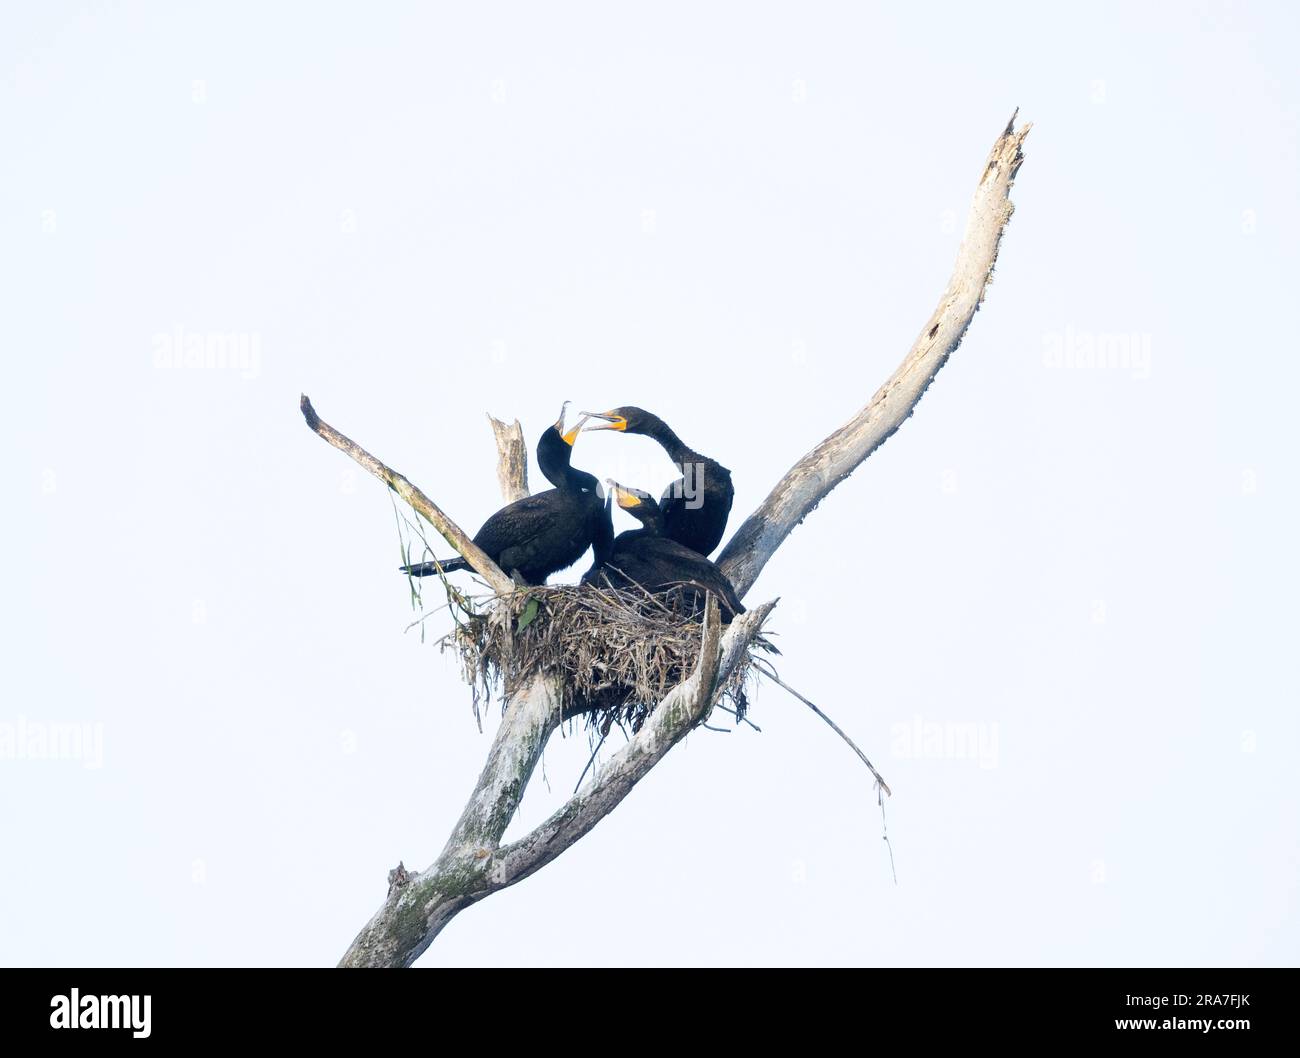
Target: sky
pixel 1056 609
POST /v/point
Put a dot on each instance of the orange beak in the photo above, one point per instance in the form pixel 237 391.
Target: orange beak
pixel 612 422
pixel 571 438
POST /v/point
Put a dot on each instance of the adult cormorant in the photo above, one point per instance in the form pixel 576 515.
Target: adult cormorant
pixel 539 535
pixel 695 506
pixel 655 562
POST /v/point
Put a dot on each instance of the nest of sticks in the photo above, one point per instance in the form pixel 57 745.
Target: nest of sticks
pixel 617 652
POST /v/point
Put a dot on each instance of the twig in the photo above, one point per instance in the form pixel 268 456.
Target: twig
pixel 884 833
pixel 739 718
pixel 770 673
pixel 882 788
pixel 590 762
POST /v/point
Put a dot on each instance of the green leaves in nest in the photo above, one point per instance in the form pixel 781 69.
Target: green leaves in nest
pixel 529 615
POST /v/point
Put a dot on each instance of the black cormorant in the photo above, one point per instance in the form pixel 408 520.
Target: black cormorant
pixel 655 562
pixel 695 506
pixel 539 535
pixel 602 542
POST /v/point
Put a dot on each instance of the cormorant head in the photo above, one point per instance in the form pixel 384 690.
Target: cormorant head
pixel 557 443
pixel 640 505
pixel 555 449
pixel 626 419
pixel 569 437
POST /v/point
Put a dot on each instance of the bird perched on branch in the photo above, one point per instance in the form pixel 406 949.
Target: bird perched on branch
pixel 695 506
pixel 539 535
pixel 648 559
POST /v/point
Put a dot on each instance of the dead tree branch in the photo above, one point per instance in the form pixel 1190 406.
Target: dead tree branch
pixel 810 480
pixel 429 510
pixel 512 459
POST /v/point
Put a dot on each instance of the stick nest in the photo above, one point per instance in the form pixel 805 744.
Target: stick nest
pixel 617 652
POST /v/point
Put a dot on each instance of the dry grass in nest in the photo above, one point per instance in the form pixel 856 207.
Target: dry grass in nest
pixel 618 652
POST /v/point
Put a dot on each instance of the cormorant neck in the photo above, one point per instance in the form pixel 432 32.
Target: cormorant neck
pixel 602 544
pixel 553 457
pixel 676 448
pixel 652 524
pixel 578 479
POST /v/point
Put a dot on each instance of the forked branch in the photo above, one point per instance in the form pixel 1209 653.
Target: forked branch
pixel 474 864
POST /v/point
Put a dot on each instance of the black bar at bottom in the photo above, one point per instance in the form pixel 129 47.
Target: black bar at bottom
pixel 877 1008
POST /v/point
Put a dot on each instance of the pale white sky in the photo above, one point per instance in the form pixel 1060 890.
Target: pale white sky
pixel 738 216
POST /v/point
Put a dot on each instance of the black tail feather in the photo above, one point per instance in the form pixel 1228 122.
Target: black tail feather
pixel 429 569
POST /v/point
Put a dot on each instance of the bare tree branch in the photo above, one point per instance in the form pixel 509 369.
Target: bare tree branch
pixel 512 459
pixel 424 902
pixel 473 865
pixel 448 529
pixel 532 713
pixel 810 480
